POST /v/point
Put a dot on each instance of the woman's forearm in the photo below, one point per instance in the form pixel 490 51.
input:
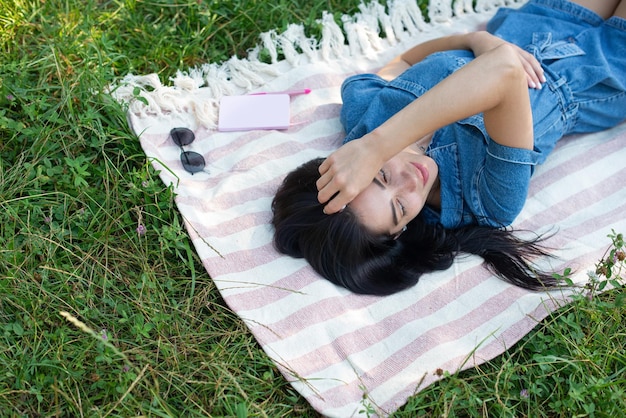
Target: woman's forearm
pixel 477 42
pixel 494 84
pixel 400 63
pixel 446 43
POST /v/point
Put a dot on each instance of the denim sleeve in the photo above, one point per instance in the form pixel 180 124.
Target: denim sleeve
pixel 500 186
pixel 357 93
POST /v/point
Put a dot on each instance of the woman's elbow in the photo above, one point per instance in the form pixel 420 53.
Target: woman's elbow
pixel 507 65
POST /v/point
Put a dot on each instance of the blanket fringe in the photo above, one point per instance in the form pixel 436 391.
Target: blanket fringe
pixel 360 36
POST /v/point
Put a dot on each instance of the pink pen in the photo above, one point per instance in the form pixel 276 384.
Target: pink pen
pixel 288 92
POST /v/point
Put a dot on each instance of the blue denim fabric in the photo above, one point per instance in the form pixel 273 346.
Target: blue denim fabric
pixel 591 82
pixel 482 182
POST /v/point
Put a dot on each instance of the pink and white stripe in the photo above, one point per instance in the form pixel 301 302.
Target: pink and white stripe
pixel 335 347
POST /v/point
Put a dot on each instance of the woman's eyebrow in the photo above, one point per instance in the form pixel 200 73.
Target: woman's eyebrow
pixel 393 208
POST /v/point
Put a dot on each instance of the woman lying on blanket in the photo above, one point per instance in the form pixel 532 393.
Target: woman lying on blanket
pixel 442 142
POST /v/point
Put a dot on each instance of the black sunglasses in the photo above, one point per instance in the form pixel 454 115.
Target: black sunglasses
pixel 192 161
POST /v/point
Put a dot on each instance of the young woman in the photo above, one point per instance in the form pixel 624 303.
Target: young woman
pixel 442 142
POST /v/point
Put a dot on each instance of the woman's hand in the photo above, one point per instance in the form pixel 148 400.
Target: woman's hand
pixel 346 173
pixel 481 42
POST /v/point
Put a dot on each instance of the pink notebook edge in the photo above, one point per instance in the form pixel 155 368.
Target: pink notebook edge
pixel 252 112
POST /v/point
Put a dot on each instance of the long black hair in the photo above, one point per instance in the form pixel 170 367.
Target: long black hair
pixel 343 251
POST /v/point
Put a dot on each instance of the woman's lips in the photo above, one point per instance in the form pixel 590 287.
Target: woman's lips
pixel 423 172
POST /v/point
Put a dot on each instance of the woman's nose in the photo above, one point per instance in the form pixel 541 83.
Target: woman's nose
pixel 408 181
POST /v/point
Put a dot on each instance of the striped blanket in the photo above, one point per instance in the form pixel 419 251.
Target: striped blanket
pixel 341 351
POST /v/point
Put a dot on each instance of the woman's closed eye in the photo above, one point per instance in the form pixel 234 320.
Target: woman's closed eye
pixel 397 204
pixel 383 175
pixel 401 206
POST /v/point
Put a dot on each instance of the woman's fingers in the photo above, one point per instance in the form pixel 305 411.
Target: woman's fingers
pixel 337 203
pixel 324 188
pixel 335 190
pixel 344 174
pixel 323 168
pixel 339 193
pixel 533 69
pixel 534 72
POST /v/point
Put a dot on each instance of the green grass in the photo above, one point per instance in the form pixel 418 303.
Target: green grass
pixel 74 188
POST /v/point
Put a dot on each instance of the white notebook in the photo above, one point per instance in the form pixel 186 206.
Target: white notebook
pixel 248 112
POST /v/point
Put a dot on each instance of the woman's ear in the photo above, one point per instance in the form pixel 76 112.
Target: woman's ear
pixel 397 235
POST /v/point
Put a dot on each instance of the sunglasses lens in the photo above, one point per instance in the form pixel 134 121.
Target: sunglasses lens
pixel 182 136
pixel 192 161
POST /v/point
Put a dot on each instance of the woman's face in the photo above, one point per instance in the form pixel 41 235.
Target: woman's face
pixel 397 193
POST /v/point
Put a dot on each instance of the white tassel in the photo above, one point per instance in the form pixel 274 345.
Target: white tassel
pixel 368 18
pixel 288 41
pixel 147 105
pixel 308 45
pixel 197 74
pixel 253 53
pixel 294 37
pixel 407 19
pixel 217 79
pixel 332 42
pixel 439 11
pixel 123 91
pixel 149 80
pixel 352 36
pixel 169 99
pixel 361 38
pixel 269 42
pixel 371 27
pixel 379 16
pixel 137 92
pixel 206 112
pixel 462 7
pixel 247 74
pixel 186 81
pixel 263 68
pixel 483 6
